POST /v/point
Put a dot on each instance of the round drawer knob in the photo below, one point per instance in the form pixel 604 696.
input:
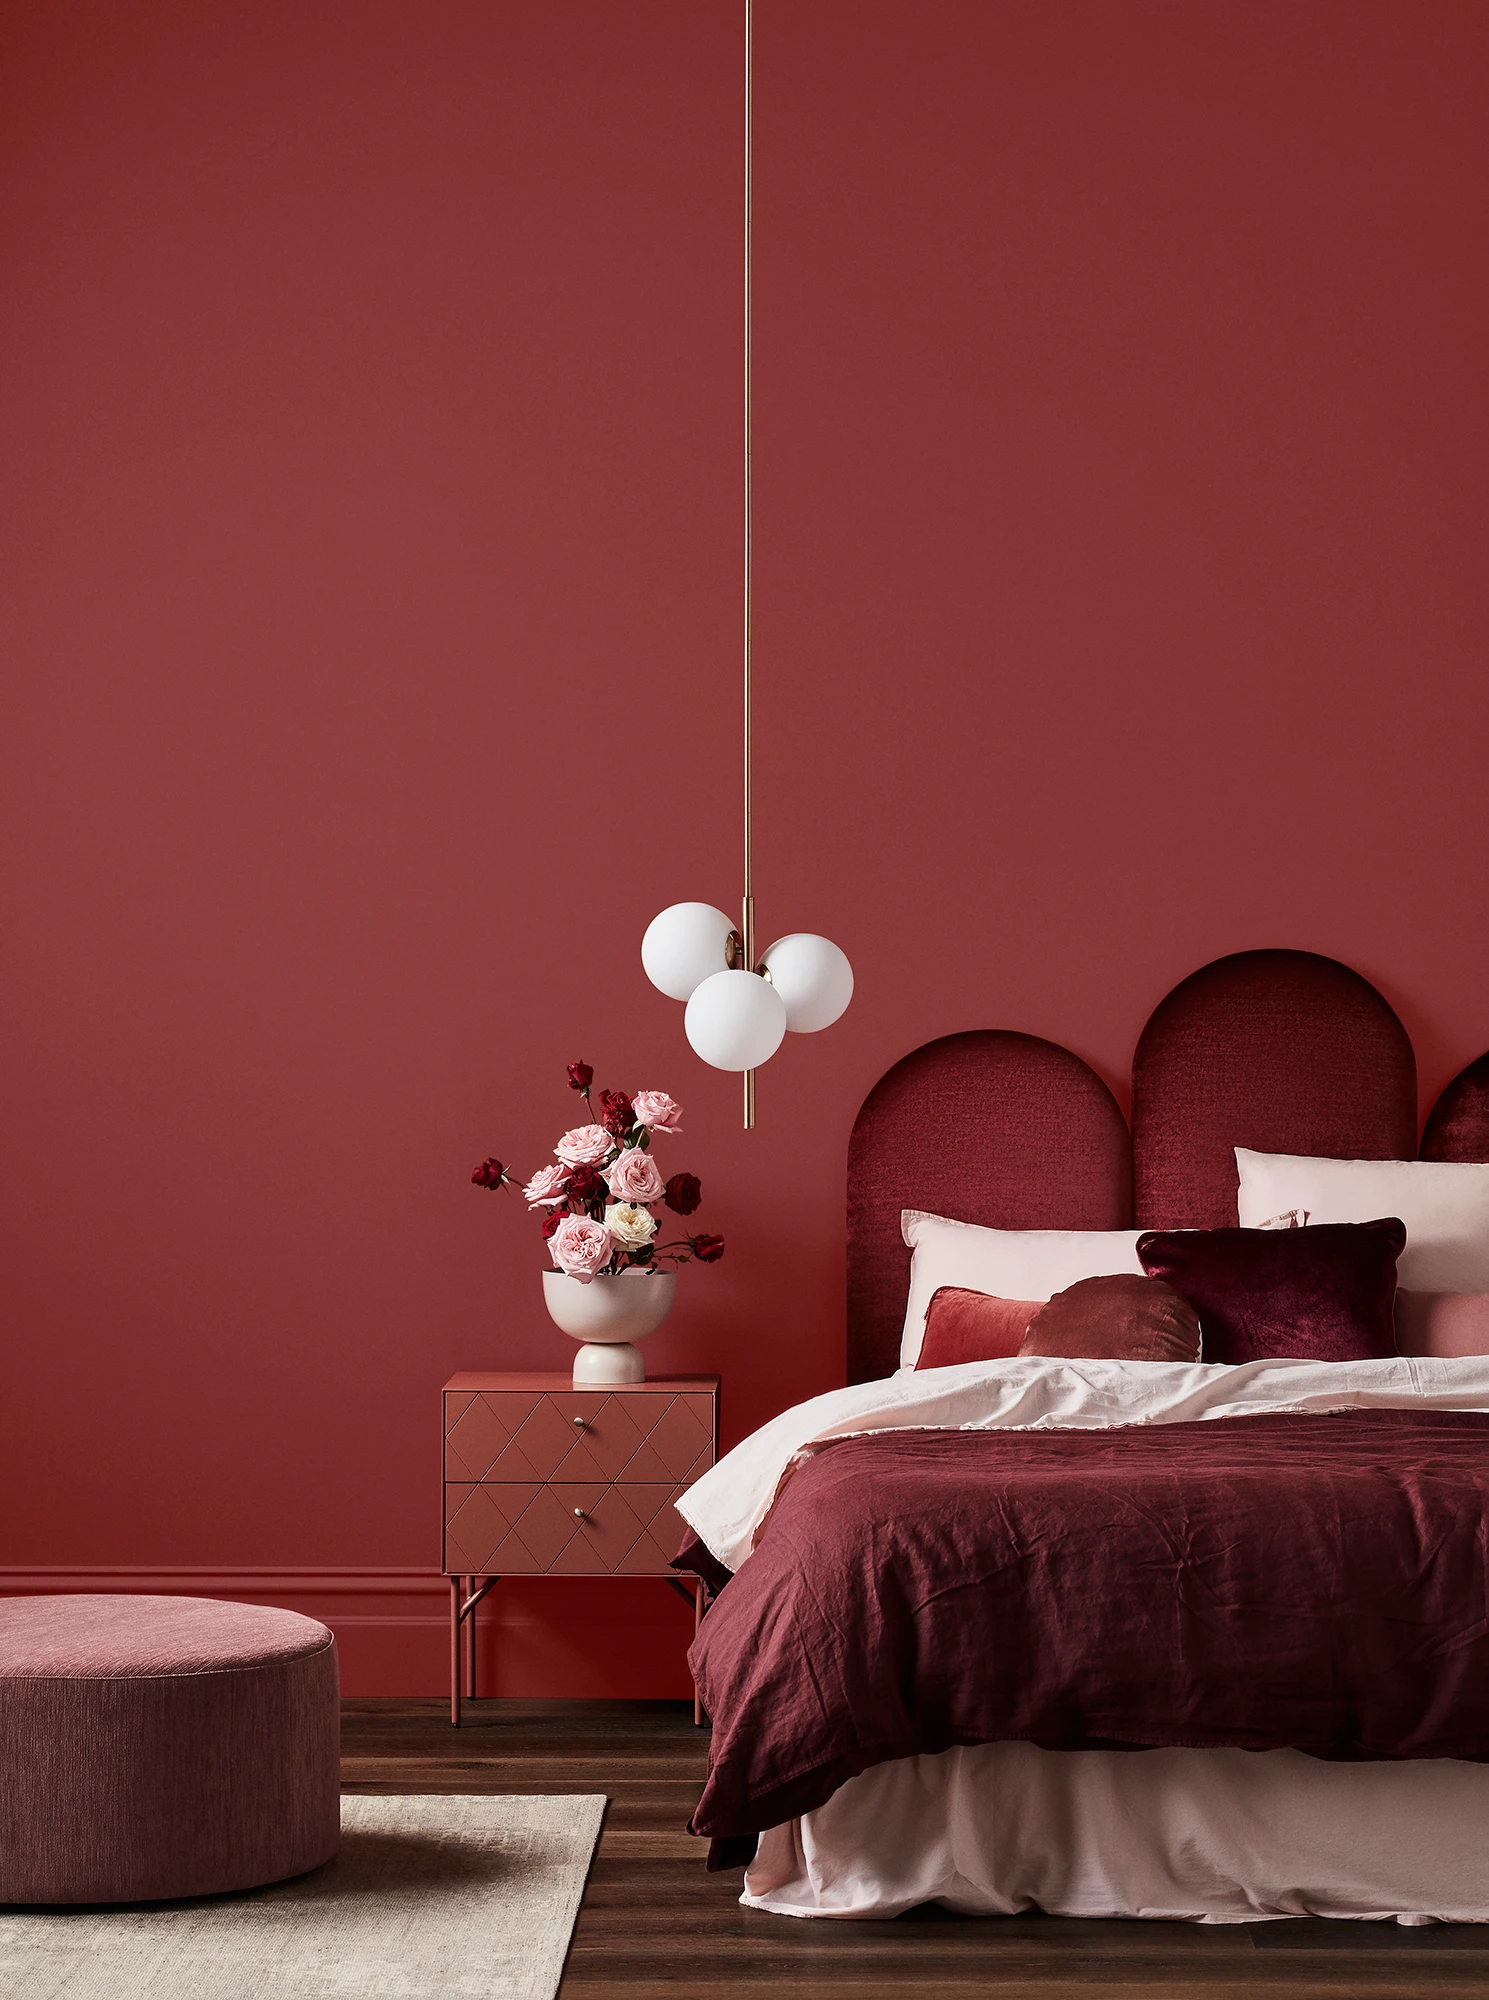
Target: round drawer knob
pixel 578 1513
pixel 580 1422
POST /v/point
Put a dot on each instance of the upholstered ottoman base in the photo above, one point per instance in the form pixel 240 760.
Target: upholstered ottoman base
pixel 162 1746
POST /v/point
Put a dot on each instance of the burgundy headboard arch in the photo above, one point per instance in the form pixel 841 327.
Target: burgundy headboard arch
pixel 1281 1051
pixel 989 1126
pixel 1458 1124
pixel 1284 1051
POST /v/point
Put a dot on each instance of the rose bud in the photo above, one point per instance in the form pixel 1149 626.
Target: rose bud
pixel 581 1076
pixel 550 1222
pixel 708 1249
pixel 683 1193
pixel 585 1183
pixel 617 1113
pixel 490 1174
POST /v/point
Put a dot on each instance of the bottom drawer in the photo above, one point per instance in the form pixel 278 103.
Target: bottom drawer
pixel 573 1529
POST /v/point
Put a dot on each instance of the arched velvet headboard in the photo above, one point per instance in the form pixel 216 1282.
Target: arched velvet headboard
pixel 991 1127
pixel 1458 1124
pixel 1281 1051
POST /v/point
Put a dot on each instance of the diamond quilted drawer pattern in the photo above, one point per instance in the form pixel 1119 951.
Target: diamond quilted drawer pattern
pixel 563 1529
pixel 543 1479
pixel 590 1435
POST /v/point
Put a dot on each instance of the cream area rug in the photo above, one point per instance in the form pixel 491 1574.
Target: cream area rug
pixel 429 1899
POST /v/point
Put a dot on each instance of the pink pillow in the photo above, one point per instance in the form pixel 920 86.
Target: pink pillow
pixel 1442 1324
pixel 972 1326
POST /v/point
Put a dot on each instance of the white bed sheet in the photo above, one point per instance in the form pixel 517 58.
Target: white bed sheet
pixel 728 1506
pixel 1214 1836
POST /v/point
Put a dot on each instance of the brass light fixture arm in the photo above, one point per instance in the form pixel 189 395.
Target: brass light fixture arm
pixel 739 951
pixel 811 980
pixel 747 915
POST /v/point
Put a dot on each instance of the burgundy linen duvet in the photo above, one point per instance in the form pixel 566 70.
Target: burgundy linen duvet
pixel 1320 1582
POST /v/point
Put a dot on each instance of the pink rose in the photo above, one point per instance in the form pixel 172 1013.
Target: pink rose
pixel 634 1177
pixel 580 1247
pixel 585 1146
pixel 655 1109
pixel 547 1186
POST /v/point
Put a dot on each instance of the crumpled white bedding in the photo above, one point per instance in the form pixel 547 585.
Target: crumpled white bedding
pixel 728 1505
pixel 1217 1836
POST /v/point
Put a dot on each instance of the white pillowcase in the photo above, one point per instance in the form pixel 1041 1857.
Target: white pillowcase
pixel 1004 1263
pixel 1444 1204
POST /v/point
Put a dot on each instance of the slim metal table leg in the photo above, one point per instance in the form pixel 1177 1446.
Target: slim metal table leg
pixel 454 1652
pixel 470 1640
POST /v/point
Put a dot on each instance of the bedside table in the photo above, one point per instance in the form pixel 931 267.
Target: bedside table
pixel 543 1479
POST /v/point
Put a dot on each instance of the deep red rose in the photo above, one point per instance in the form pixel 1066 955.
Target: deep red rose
pixel 585 1184
pixel 708 1249
pixel 617 1113
pixel 489 1174
pixel 551 1221
pixel 581 1076
pixel 683 1193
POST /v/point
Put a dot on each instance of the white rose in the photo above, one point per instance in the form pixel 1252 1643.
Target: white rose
pixel 630 1224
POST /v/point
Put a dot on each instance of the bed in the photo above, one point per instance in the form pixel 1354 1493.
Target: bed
pixel 1101 1638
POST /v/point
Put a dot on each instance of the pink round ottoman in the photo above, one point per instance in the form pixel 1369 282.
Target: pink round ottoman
pixel 162 1746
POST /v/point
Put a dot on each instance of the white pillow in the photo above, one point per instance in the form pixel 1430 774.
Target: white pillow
pixel 1444 1204
pixel 1005 1263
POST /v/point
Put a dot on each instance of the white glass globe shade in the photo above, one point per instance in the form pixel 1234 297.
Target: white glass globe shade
pixel 813 978
pixel 736 1020
pixel 683 946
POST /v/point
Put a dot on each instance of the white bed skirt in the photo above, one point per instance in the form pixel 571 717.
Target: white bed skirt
pixel 1214 1836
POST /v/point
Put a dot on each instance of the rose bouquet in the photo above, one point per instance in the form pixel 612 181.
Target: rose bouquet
pixel 600 1201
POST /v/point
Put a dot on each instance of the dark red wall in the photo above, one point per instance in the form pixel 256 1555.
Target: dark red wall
pixel 370 586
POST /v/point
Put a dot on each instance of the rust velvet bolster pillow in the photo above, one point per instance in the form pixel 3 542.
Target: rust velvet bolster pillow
pixel 972 1326
pixel 1324 1293
pixel 1123 1318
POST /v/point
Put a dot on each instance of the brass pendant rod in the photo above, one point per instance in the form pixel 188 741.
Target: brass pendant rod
pixel 748 912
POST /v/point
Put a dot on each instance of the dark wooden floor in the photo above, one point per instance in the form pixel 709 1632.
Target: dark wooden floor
pixel 653 1923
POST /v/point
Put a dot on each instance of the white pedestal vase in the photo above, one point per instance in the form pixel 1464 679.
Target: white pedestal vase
pixel 606 1316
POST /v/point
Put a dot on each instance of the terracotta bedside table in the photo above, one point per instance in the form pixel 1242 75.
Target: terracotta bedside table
pixel 543 1479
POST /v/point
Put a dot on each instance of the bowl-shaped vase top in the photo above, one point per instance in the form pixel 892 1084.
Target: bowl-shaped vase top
pixel 626 1307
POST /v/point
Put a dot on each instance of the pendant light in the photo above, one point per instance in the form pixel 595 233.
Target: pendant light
pixel 738 1011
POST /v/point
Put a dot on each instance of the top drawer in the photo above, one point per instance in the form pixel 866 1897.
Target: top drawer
pixel 614 1435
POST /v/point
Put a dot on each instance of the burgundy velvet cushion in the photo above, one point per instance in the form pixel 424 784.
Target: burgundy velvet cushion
pixel 161 1747
pixel 1121 1318
pixel 961 1325
pixel 1442 1323
pixel 1321 1294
